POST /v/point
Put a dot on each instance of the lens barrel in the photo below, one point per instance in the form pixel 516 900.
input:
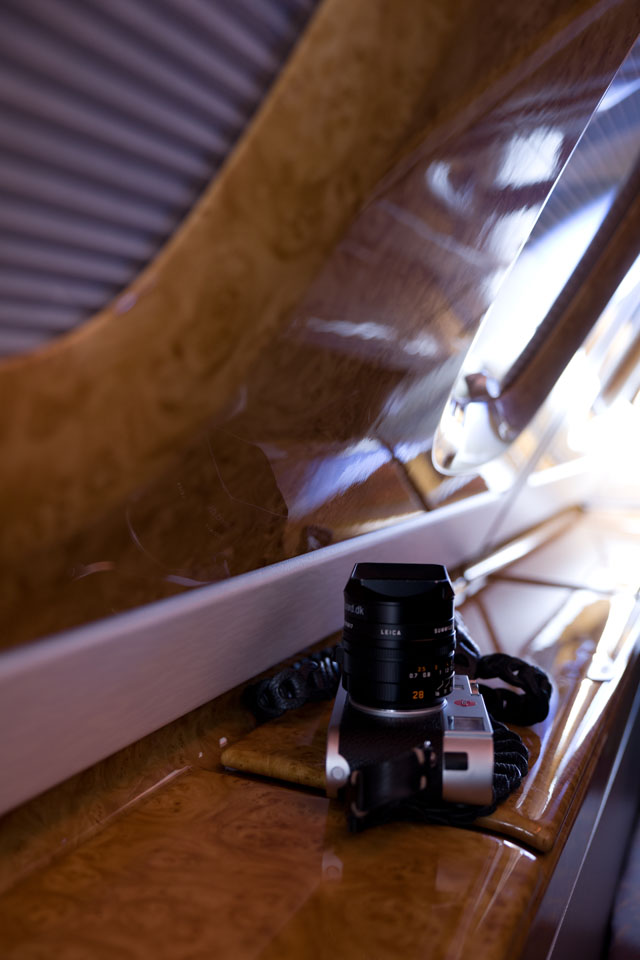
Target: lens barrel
pixel 399 636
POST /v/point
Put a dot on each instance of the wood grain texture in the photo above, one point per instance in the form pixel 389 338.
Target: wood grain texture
pixel 103 407
pixel 217 866
pixel 166 855
pixel 291 748
pixel 57 821
pixel 563 749
pixel 218 511
pixel 326 213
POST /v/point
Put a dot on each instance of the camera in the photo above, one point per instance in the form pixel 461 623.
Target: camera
pixel 404 724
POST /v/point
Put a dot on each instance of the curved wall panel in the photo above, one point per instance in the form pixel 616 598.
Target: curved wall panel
pixel 252 394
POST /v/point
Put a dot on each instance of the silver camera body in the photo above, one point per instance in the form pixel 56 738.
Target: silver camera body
pixel 452 743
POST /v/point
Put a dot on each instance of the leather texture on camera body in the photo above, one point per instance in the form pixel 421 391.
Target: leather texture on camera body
pixel 366 738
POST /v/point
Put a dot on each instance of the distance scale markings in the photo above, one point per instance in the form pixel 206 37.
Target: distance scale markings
pixel 424 673
pixel 421 673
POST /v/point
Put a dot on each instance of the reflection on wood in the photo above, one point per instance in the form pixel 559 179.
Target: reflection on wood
pixel 218 512
pixel 157 851
pixel 562 749
pixel 215 866
pixel 313 372
pixel 57 821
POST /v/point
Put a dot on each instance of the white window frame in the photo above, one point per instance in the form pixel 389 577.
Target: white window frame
pixel 70 700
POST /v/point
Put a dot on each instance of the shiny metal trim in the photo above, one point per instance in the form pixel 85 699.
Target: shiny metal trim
pixel 475 784
pixel 383 712
pixel 483 416
pixel 70 700
pixel 337 769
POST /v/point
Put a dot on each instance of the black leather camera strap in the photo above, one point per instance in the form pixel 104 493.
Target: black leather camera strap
pixel 504 704
pixel 398 788
pixel 316 678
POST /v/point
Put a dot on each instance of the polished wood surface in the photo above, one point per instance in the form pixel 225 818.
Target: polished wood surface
pixel 295 342
pixel 562 750
pixel 57 821
pixel 291 748
pixel 102 412
pixel 216 866
pixel 202 521
pixel 159 851
pixel 566 747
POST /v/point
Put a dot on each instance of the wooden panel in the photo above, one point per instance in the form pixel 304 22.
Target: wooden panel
pixel 310 335
pixel 221 510
pixel 156 851
pixel 215 866
pixel 562 750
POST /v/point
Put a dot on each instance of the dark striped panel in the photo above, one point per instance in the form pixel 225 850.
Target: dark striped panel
pixel 113 118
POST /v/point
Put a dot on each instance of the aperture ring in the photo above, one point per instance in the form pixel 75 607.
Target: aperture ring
pixel 375 649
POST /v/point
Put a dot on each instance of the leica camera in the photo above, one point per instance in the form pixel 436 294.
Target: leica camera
pixel 404 724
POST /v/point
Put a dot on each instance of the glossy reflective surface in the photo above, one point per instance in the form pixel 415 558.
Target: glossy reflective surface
pixel 188 860
pixel 216 866
pixel 584 640
pixel 596 168
pixel 327 432
pixel 496 393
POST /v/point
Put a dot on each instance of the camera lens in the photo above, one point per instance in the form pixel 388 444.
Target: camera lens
pixel 399 636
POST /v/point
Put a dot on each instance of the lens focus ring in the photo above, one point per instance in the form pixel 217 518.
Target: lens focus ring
pixel 399 636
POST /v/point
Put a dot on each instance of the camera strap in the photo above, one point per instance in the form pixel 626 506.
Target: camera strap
pixel 398 788
pixel 317 677
pixel 504 704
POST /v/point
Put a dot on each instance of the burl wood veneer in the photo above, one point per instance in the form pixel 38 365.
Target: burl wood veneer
pixel 217 866
pixel 563 749
pixel 221 509
pixel 99 411
pixel 294 344
pixel 158 852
